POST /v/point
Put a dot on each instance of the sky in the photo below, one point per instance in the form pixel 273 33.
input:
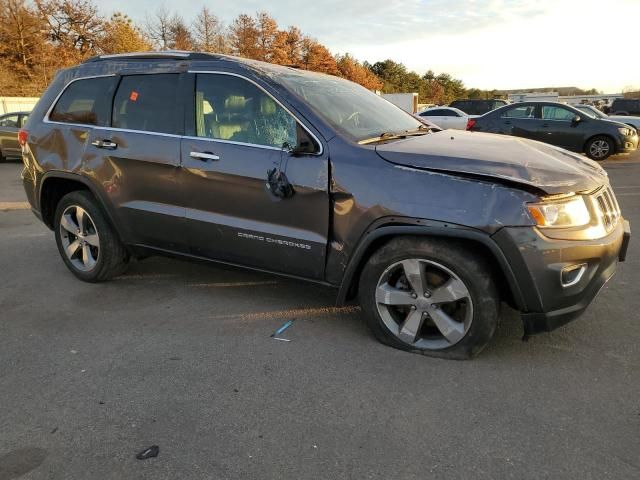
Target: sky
pixel 502 44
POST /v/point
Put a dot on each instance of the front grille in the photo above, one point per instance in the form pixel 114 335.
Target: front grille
pixel 608 208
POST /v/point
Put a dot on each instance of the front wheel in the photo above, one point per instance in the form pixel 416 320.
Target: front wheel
pixel 431 297
pixel 87 243
pixel 600 148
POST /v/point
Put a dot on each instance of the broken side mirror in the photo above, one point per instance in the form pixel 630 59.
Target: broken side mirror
pixel 302 148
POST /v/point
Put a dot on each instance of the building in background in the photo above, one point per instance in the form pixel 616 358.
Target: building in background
pixel 17 104
pixel 406 101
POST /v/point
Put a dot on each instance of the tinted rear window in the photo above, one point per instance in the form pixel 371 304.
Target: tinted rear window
pixel 148 103
pixel 626 103
pixel 86 102
pixel 474 107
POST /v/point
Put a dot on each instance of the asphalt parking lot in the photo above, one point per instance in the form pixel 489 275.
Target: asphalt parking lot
pixel 179 355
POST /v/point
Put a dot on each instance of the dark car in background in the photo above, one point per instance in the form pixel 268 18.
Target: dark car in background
pixel 625 106
pixel 311 176
pixel 478 107
pixel 10 124
pixel 561 125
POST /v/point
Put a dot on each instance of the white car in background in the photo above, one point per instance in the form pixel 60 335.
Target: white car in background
pixel 594 112
pixel 446 117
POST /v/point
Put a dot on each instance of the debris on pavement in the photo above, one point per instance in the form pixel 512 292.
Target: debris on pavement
pixel 150 452
pixel 275 334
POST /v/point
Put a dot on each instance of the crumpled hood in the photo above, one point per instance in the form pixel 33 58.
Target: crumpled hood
pixel 545 167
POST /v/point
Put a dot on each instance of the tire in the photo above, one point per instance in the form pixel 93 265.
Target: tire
pixel 2 157
pixel 97 254
pixel 600 148
pixel 447 269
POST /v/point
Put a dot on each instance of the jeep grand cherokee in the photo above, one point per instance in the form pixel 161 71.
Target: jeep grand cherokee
pixel 311 176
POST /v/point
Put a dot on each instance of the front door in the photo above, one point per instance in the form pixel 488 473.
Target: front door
pixel 558 127
pixel 238 135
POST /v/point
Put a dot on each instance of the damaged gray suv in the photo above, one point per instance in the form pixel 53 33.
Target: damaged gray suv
pixel 310 176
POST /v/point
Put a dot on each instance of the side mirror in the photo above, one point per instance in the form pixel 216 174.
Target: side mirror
pixel 577 119
pixel 303 147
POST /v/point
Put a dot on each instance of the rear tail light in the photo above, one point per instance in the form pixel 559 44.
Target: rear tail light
pixel 22 137
pixel 471 123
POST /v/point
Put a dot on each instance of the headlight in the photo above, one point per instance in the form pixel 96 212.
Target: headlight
pixel 625 131
pixel 572 212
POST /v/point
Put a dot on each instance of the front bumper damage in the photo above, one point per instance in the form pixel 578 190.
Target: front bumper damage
pixel 559 278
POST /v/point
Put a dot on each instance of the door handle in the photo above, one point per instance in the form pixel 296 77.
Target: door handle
pixel 108 144
pixel 204 156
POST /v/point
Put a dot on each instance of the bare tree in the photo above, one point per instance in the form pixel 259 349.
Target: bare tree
pixel 208 33
pixel 180 35
pixel 158 27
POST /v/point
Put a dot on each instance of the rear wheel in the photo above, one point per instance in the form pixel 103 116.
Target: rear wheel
pixel 600 148
pixel 86 241
pixel 431 297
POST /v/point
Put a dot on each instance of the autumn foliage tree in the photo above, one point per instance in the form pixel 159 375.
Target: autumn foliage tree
pixel 38 37
pixel 122 36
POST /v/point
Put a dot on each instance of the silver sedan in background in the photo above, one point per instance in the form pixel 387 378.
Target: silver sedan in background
pixel 446 117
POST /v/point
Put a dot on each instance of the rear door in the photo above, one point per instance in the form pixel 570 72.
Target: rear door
pixel 519 120
pixel 237 137
pixel 137 159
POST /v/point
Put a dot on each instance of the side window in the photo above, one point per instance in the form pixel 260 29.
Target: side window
pixel 9 121
pixel 233 109
pixel 23 120
pixel 148 103
pixel 449 113
pixel 432 113
pixel 86 102
pixel 550 112
pixel 524 111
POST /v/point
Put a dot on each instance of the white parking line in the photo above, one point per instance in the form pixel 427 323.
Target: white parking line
pixel 233 284
pixel 294 313
pixel 6 206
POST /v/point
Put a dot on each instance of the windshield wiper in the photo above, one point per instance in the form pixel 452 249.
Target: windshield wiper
pixel 382 137
pixel 421 130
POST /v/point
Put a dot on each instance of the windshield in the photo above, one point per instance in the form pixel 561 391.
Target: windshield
pixel 350 108
pixel 591 111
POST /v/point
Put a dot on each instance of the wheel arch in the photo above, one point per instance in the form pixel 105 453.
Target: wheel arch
pixel 374 239
pixel 56 185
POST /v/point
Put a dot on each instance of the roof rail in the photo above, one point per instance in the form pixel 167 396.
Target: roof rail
pixel 166 54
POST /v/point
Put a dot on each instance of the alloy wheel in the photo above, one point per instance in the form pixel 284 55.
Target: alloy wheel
pixel 80 239
pixel 599 149
pixel 424 304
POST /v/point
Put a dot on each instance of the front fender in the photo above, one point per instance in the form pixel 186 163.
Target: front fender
pixel 373 236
